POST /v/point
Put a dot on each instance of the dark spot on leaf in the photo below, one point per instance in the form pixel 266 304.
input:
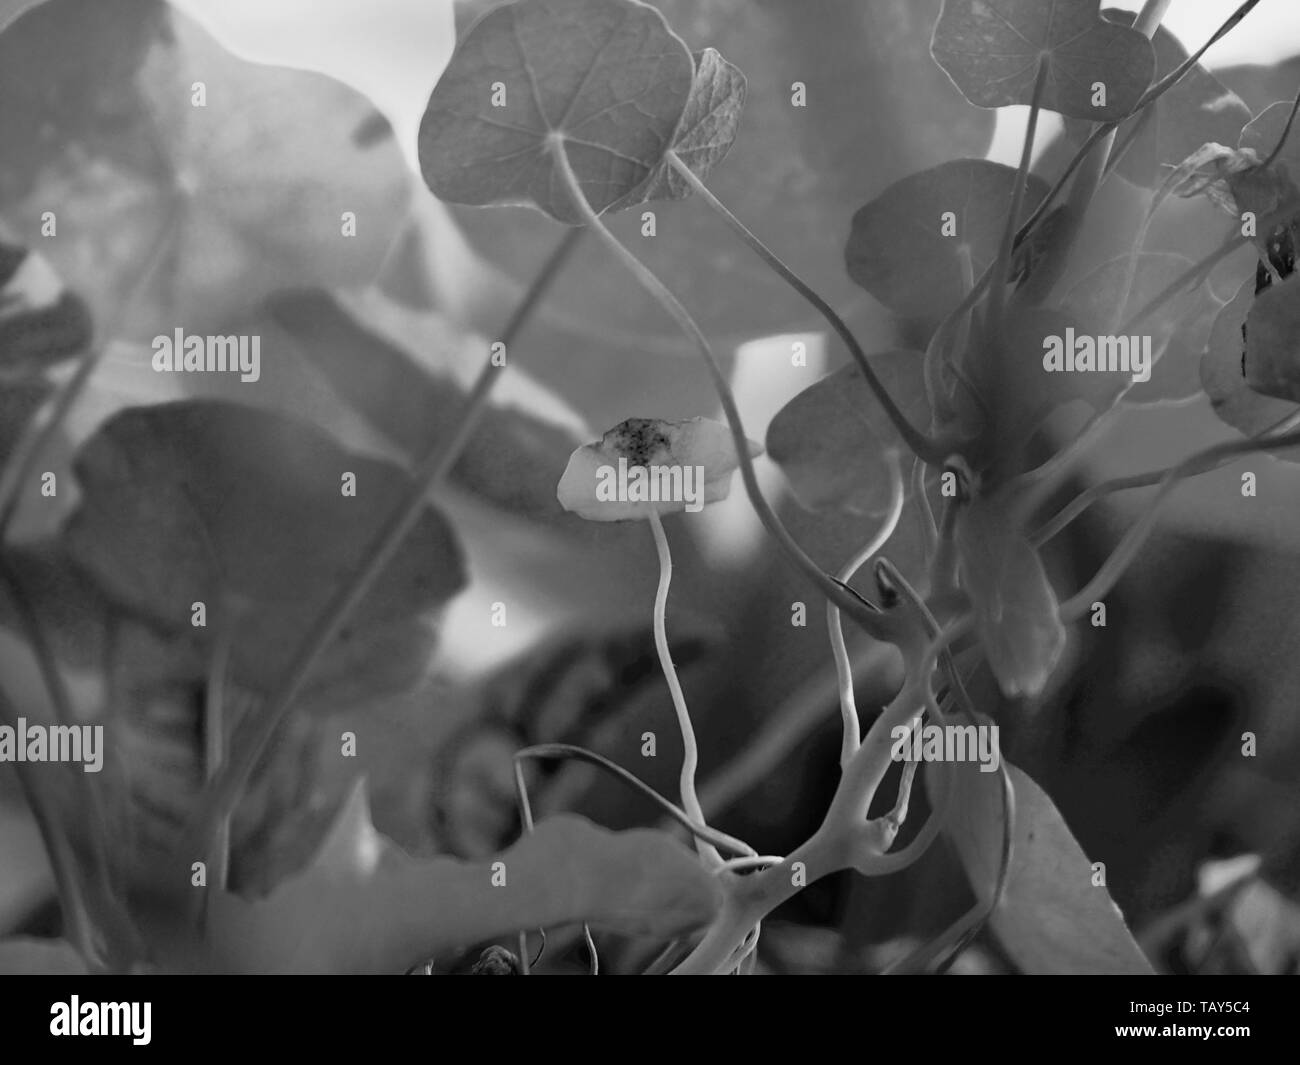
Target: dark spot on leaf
pixel 640 439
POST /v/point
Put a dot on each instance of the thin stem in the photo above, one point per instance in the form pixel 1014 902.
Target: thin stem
pixel 929 528
pixel 1029 489
pixel 797 716
pixel 1149 97
pixel 851 736
pixel 896 861
pixel 1131 543
pixel 526 816
pixel 690 752
pixel 877 625
pixel 1286 132
pixel 214 735
pixel 1002 265
pixel 251 738
pixel 921 445
pixel 1120 152
pixel 43 428
pixel 581 754
pixel 1092 167
pixel 1091 495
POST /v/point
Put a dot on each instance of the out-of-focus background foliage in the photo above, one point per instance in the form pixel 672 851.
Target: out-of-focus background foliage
pixel 1137 741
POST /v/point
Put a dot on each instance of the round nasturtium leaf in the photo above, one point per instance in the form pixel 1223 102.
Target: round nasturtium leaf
pixel 646 465
pixel 1223 375
pixel 833 439
pixel 1198 110
pixel 606 81
pixel 250 513
pixel 120 116
pixel 992 48
pixel 908 247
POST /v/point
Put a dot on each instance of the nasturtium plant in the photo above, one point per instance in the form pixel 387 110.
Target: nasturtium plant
pixel 993 50
pixel 920 244
pixel 610 97
pixel 1198 110
pixel 287 597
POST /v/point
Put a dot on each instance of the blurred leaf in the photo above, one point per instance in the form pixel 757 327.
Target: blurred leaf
pixel 1020 389
pixel 41 322
pixel 605 81
pixel 220 504
pixel 362 906
pixel 1272 359
pixel 100 128
pixel 1265 131
pixel 26 881
pixel 1261 85
pixel 1109 296
pixel 1051 918
pixel 1199 109
pixel 27 956
pixel 832 440
pixel 405 372
pixel 991 49
pixel 795 175
pixel 900 249
pixel 1223 375
pixel 707 128
pixel 1016 611
pixel 71 610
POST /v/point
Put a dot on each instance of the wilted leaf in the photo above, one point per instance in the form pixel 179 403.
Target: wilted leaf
pixel 908 247
pixel 833 439
pixel 991 49
pixel 1223 375
pixel 362 906
pixel 699 449
pixel 603 80
pixel 707 129
pixel 41 322
pixel 101 128
pixel 1272 359
pixel 1199 109
pixel 1051 919
pixel 1016 610
pixel 28 956
pixel 215 503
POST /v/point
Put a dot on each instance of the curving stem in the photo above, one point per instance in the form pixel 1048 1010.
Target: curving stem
pixel 852 729
pixel 690 753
